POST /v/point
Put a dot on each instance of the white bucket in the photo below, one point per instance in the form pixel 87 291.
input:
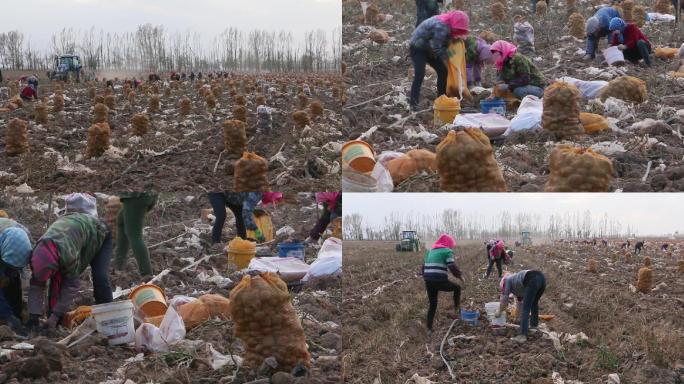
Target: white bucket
pixel 613 55
pixel 491 309
pixel 115 320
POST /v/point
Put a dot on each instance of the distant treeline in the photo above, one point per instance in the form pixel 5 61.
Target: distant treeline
pixel 151 48
pixel 571 225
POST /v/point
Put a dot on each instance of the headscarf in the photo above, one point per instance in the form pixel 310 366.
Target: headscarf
pixel 329 198
pixel 592 25
pixel 506 49
pixel 15 247
pixel 271 197
pixel 617 24
pixel 80 203
pixel 458 22
pixel 444 241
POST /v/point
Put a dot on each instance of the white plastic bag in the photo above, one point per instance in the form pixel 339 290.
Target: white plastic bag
pixel 588 89
pixel 387 156
pixel 289 268
pixel 153 339
pixel 383 177
pixel 528 117
pixel 329 260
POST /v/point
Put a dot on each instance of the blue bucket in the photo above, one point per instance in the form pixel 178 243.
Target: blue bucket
pixel 470 317
pixel 496 105
pixel 291 250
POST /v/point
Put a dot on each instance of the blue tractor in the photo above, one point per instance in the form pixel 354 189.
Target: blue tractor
pixel 67 67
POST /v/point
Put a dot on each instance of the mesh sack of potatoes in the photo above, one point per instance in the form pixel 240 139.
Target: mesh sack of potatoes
pixel 112 208
pixel 239 100
pixel 131 97
pixel 498 12
pixel 647 261
pixel 303 100
pixel 316 108
pixel 153 105
pixel 680 266
pixel 578 170
pixel 98 139
pixel 16 137
pixel 100 113
pixel 645 279
pixel 251 173
pixel 110 101
pixel 194 313
pixel 401 168
pixel 234 137
pixel 562 110
pixel 542 8
pixel 666 53
pixel 379 36
pixel 639 15
pixel 593 123
pixel 264 119
pixel 466 163
pixel 140 123
pixel 576 25
pixel 627 88
pixel 663 6
pixel 185 106
pixel 592 266
pixel 301 119
pixel 41 113
pixel 58 103
pixel 240 113
pixel 266 321
pixel 628 10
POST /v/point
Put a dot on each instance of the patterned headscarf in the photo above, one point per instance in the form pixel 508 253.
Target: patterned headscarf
pixel 15 247
pixel 506 49
pixel 458 22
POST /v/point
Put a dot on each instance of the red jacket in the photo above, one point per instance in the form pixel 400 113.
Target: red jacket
pixel 28 93
pixel 631 35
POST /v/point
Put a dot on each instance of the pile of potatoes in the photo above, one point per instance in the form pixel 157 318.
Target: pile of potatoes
pixel 627 88
pixel 578 170
pixel 234 137
pixel 561 114
pixel 251 173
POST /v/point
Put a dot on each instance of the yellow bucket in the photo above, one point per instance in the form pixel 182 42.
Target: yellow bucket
pixel 240 258
pixel 263 220
pixel 358 155
pixel 149 299
pixel 446 109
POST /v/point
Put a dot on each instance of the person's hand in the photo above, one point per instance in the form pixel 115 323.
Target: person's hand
pixel 259 235
pixel 622 47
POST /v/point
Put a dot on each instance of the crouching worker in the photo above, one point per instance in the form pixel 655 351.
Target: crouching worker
pixel 15 252
pixel 72 243
pixel 497 255
pixel 29 92
pixel 332 208
pixel 515 72
pixel 596 28
pixel 528 287
pixel 630 40
pixel 478 54
pixel 438 261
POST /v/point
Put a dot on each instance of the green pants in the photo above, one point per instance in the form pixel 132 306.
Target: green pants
pixel 129 224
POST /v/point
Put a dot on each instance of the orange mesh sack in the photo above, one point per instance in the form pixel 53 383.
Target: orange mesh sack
pixel 217 305
pixel 16 137
pixel 666 53
pixel 465 162
pixel 267 323
pixel 402 168
pixel 627 88
pixel 77 316
pixel 562 110
pixel 593 123
pixel 425 160
pixel 194 313
pixel 251 173
pixel 645 279
pixel 578 170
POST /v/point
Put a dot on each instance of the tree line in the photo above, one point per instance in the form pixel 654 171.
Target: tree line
pixel 151 48
pixel 505 225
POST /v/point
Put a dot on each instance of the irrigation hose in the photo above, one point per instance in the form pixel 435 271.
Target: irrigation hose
pixel 441 350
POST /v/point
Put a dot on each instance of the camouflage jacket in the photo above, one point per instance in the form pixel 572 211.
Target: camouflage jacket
pixel 519 71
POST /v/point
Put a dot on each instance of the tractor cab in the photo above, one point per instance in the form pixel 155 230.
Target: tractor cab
pixel 409 242
pixel 525 238
pixel 67 66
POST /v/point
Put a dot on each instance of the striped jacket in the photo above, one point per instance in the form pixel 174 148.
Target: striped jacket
pixel 436 263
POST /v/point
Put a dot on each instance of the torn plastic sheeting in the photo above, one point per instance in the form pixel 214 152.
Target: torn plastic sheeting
pixel 575 338
pixel 215 278
pixel 417 379
pixel 588 89
pixel 328 261
pixel 492 124
pixel 557 379
pixel 387 156
pixel 421 133
pixel 383 178
pixel 219 360
pixel 608 148
pixel 153 339
pixel 289 268
pixel 285 231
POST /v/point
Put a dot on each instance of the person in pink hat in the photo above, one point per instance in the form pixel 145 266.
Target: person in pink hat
pixel 438 262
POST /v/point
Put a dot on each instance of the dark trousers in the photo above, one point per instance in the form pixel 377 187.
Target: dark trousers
pixel 433 288
pixel 642 51
pixel 321 224
pixel 99 267
pixel 498 261
pixel 10 293
pixel 534 284
pixel 420 59
pixel 218 204
pixel 425 9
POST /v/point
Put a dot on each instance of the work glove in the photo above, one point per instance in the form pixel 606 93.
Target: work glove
pixel 259 235
pixel 622 47
pixel 503 87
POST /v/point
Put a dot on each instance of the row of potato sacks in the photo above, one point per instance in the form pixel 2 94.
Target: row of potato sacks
pixel 466 163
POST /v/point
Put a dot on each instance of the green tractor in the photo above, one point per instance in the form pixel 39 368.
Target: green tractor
pixel 67 67
pixel 525 238
pixel 409 242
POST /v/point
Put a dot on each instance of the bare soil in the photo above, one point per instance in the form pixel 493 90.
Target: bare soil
pixel 638 336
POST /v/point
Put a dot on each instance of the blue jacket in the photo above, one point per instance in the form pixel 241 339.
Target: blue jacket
pixel 432 35
pixel 603 15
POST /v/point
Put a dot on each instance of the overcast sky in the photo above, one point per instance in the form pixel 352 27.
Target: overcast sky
pixel 39 19
pixel 649 213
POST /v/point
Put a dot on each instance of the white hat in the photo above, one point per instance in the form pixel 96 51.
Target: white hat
pixel 80 203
